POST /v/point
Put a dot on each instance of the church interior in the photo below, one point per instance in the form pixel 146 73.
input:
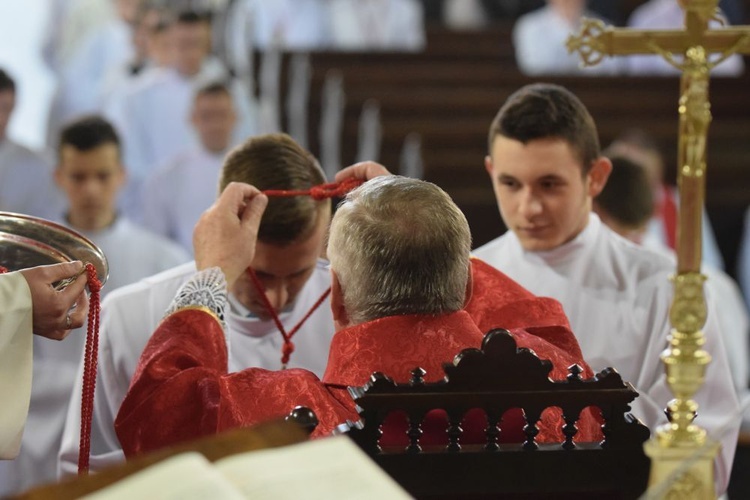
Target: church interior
pixel 419 104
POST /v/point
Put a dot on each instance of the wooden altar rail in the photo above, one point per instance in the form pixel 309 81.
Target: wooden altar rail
pixel 450 92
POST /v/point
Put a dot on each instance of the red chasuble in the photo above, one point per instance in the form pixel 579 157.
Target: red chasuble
pixel 182 390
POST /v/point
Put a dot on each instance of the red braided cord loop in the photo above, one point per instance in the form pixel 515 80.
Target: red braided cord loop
pixel 321 192
pixel 89 370
pixel 288 347
pixel 3 270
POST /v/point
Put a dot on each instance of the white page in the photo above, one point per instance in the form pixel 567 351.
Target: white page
pixel 187 476
pixel 327 468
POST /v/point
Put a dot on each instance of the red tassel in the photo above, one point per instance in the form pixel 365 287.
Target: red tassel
pixel 89 370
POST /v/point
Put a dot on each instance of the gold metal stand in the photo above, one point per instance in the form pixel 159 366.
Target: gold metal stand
pixel 681 458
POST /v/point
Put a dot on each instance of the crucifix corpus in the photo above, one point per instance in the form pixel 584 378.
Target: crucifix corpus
pixel 681 456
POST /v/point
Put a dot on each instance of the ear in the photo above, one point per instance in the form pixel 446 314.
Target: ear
pixel 340 315
pixel 598 175
pixel 469 286
pixel 488 164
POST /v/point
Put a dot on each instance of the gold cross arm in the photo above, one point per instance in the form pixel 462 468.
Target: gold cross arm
pixel 596 40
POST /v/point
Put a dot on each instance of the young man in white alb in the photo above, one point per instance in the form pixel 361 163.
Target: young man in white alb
pixel 546 167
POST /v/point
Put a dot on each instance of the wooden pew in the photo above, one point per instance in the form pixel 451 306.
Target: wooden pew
pixel 495 379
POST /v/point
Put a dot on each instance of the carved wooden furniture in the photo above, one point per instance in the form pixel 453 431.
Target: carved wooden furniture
pixel 497 378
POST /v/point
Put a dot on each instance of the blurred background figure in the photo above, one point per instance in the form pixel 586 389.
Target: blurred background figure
pixel 669 14
pixel 176 194
pixel 626 206
pixel 376 25
pixel 83 74
pixel 91 174
pixel 539 40
pixel 743 259
pixel 637 146
pixel 155 119
pixel 25 176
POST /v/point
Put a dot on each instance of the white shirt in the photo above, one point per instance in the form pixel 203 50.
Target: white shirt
pixel 176 195
pixel 131 314
pixel 617 297
pixel 376 25
pixel 26 182
pixel 667 14
pixel 539 39
pixel 132 253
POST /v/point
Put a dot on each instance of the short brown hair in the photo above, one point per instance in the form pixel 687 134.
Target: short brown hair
pixel 627 197
pixel 544 110
pixel 275 161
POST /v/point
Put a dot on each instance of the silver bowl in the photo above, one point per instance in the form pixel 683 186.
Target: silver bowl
pixel 27 241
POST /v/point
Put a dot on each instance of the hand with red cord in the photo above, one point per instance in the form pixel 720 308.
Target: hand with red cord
pixel 57 312
pixel 226 233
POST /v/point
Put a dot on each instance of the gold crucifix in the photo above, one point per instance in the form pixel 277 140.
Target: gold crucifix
pixel 680 441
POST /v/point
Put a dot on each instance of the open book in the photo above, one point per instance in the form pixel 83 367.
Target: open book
pixel 325 468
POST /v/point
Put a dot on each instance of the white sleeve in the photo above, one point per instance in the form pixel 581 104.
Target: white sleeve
pixel 16 354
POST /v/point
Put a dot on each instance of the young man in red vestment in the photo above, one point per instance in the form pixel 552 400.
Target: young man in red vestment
pixel 400 269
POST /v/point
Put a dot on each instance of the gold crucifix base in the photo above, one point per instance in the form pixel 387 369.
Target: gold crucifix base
pixel 680 472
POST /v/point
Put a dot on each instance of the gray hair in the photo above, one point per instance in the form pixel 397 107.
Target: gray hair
pixel 399 246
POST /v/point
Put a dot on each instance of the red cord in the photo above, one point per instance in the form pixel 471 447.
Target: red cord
pixel 89 370
pixel 288 348
pixel 321 192
pixel 3 270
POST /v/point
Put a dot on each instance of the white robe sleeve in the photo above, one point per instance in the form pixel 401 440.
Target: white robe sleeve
pixel 16 349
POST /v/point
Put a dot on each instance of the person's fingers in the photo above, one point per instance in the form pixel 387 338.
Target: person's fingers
pixel 235 196
pixel 57 272
pixel 254 211
pixel 59 334
pixel 364 170
pixel 79 315
pixel 69 294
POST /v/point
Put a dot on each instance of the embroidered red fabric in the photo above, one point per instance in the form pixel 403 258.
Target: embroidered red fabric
pixel 185 384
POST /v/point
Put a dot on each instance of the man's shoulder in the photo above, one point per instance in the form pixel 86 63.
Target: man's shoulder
pixel 636 257
pixel 162 286
pixel 30 158
pixel 152 79
pixel 493 251
pixel 159 246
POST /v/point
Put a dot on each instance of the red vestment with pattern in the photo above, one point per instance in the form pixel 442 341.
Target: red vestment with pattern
pixel 182 389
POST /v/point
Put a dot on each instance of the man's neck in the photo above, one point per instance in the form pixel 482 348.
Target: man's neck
pixel 84 223
pixel 216 151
